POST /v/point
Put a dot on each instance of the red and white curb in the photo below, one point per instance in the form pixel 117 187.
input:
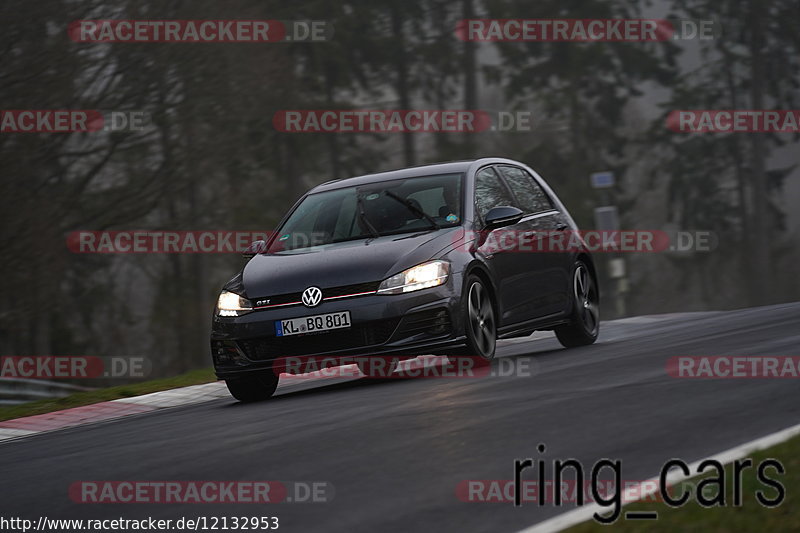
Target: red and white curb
pixel 98 412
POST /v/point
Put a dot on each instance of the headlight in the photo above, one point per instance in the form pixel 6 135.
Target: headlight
pixel 231 304
pixel 430 274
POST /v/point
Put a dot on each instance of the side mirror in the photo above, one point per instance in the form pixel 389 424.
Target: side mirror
pixel 256 247
pixel 502 216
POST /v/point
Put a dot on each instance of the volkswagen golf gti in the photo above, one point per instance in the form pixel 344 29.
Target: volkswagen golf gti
pixel 424 260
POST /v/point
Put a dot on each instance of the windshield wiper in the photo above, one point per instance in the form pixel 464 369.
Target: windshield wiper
pixel 414 209
pixel 362 216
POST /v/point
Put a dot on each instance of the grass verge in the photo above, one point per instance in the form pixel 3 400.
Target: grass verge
pixel 751 516
pixel 195 377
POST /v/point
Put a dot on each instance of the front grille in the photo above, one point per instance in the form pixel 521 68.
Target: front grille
pixel 330 292
pixel 360 336
pixel 346 290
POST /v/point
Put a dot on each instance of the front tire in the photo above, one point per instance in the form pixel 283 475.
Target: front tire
pixel 480 324
pixel 584 323
pixel 253 388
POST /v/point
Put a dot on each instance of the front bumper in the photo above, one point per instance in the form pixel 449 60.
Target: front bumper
pixel 409 324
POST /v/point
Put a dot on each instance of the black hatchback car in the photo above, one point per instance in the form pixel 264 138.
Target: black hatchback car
pixel 424 260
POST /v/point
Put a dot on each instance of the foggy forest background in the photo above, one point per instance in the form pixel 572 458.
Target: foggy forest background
pixel 210 157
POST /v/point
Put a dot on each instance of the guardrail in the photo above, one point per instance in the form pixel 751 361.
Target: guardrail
pixel 19 390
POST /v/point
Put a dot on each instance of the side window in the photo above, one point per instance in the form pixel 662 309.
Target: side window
pixel 531 197
pixel 490 191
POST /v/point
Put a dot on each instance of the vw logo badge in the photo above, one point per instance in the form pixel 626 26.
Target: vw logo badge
pixel 312 296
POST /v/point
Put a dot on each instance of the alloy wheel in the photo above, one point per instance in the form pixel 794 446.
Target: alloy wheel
pixel 586 299
pixel 481 319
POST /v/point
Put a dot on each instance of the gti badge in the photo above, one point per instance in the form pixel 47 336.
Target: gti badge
pixel 312 296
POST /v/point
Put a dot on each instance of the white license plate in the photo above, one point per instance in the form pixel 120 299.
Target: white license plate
pixel 312 324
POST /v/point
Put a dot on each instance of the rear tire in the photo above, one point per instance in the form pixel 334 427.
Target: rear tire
pixel 584 323
pixel 253 388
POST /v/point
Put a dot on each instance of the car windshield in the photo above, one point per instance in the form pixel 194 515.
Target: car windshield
pixel 372 210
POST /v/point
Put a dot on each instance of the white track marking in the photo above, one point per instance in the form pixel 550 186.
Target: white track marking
pixel 646 488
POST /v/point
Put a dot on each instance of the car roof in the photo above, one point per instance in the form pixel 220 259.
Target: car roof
pixel 411 172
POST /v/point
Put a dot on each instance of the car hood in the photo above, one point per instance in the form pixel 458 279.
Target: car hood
pixel 344 263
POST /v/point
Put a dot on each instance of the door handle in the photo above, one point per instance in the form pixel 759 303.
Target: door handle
pixel 561 227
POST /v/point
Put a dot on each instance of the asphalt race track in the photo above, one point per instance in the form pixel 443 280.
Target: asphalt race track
pixel 395 450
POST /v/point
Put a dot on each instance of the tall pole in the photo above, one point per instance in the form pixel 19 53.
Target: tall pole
pixel 760 241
